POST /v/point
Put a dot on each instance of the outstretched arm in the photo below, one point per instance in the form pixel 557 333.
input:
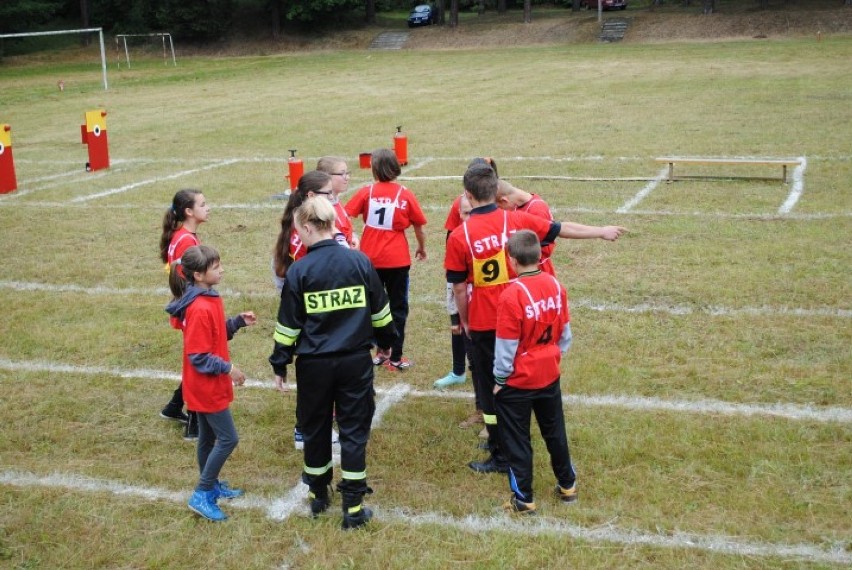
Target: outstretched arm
pixel 573 230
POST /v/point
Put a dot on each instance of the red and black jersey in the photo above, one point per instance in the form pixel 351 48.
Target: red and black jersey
pixel 532 332
pixel 388 209
pixel 476 255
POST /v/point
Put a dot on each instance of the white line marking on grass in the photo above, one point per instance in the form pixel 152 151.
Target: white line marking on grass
pixel 89 484
pixel 643 404
pixel 643 193
pixel 796 188
pixel 678 310
pixel 135 185
pixel 543 526
pixel 396 393
pixel 420 164
pixel 279 205
pixel 75 172
pixel 280 509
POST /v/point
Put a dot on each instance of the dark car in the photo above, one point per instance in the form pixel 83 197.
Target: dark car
pixel 605 4
pixel 422 15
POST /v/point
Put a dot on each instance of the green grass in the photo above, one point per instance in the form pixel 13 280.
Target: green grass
pixel 712 296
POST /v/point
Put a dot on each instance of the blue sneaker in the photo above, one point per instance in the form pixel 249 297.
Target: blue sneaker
pixel 449 380
pixel 204 504
pixel 224 491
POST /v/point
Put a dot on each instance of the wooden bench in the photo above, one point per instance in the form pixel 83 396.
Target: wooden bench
pixel 783 163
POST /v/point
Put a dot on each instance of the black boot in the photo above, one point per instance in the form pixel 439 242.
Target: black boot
pixel 355 514
pixel 191 431
pixel 174 409
pixel 320 500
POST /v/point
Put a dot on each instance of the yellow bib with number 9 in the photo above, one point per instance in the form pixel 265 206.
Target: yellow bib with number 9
pixel 491 271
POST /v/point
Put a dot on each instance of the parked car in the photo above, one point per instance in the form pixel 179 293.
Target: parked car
pixel 422 15
pixel 606 4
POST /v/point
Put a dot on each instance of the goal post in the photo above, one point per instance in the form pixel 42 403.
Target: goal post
pixel 100 32
pixel 162 35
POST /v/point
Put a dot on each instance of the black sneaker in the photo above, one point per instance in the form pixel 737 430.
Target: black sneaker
pixel 488 466
pixel 174 413
pixel 190 433
pixel 357 519
pixel 320 501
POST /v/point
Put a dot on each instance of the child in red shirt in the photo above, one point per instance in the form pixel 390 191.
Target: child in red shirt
pixel 337 168
pixel 189 210
pixel 208 374
pixel 477 267
pixel 388 209
pixel 533 331
pixel 511 198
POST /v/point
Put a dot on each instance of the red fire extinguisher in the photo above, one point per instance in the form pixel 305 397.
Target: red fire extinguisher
pixel 400 146
pixel 296 168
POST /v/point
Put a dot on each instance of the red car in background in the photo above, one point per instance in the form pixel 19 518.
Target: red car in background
pixel 606 4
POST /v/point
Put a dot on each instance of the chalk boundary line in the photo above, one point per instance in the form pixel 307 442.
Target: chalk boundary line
pixel 793 197
pixel 281 508
pixel 794 412
pixel 677 310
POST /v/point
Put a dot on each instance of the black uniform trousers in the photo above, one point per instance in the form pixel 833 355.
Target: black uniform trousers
pixel 395 281
pixel 514 408
pixel 482 362
pixel 343 382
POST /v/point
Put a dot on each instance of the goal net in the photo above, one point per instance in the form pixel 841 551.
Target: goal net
pixel 145 44
pixel 99 31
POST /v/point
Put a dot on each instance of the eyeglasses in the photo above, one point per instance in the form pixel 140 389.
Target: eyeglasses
pixel 323 193
pixel 345 173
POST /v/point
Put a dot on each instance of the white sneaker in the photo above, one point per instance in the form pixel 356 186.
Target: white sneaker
pixel 298 439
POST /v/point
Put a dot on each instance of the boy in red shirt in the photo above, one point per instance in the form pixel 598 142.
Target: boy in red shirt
pixel 533 331
pixel 388 209
pixel 511 198
pixel 475 255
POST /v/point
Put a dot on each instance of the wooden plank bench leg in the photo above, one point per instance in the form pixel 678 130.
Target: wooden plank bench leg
pixel 671 172
pixel 784 174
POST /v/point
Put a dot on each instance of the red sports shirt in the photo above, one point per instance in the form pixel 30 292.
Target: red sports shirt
pixel 204 331
pixel 182 240
pixel 454 219
pixel 538 207
pixel 477 248
pixel 342 233
pixel 343 223
pixel 388 209
pixel 531 317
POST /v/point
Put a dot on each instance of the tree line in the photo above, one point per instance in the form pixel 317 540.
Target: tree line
pixel 209 20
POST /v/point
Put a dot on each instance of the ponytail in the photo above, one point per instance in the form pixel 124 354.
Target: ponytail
pixel 174 217
pixel 312 181
pixel 177 281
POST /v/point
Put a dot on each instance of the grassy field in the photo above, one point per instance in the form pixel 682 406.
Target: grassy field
pixel 709 401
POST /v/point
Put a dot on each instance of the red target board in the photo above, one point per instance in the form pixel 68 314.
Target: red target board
pixel 8 181
pixel 95 137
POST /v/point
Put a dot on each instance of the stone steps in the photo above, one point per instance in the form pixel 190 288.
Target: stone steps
pixel 613 29
pixel 389 40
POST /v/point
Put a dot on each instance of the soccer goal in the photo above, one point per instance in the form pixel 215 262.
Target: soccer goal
pixel 100 32
pixel 122 39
